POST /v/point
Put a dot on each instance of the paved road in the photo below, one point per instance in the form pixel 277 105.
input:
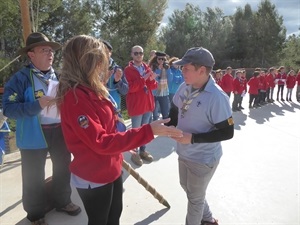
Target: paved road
pixel 257 182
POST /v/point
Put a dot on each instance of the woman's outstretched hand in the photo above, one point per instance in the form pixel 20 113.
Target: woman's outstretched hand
pixel 158 128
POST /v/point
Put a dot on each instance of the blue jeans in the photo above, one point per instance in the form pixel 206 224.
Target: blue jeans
pixel 162 103
pixel 194 179
pixel 138 121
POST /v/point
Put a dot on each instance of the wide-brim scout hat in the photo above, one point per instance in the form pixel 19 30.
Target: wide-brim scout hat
pixel 38 39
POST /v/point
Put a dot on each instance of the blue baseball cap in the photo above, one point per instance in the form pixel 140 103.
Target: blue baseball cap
pixel 197 55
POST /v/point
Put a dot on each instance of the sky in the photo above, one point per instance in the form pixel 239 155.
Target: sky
pixel 288 9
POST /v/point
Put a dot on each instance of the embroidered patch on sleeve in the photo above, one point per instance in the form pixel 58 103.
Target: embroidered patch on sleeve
pixel 83 121
pixel 12 98
pixel 230 121
pixel 39 93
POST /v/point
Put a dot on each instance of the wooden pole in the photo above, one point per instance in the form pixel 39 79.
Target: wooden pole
pixel 24 6
pixel 145 184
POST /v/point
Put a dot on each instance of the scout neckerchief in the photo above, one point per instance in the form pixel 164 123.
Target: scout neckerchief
pixel 142 71
pixel 120 121
pixel 189 96
pixel 44 78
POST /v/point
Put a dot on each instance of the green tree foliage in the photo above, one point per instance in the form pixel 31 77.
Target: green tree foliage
pixel 192 27
pixel 133 23
pixel 184 30
pixel 244 39
pixel 237 44
pixel 10 37
pixel 267 36
pixel 291 53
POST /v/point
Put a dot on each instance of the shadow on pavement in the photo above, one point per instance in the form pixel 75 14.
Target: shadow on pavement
pixel 153 217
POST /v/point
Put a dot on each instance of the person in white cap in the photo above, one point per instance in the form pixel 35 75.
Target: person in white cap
pixel 202 111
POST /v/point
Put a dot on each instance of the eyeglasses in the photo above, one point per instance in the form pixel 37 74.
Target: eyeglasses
pixel 164 59
pixel 138 53
pixel 46 51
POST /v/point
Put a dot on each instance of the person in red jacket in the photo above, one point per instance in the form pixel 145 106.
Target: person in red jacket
pixel 239 87
pixel 280 80
pixel 227 81
pixel 298 87
pixel 270 79
pixel 218 77
pixel 290 84
pixel 253 90
pixel 262 88
pixel 243 82
pixel 93 130
pixel 139 99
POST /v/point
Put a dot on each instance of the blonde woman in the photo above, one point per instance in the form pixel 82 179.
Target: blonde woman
pixel 93 129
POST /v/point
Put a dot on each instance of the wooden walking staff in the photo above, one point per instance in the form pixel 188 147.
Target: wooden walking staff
pixel 145 184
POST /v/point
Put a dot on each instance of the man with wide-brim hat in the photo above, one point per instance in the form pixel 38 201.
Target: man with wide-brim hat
pixel 37 133
pixel 38 39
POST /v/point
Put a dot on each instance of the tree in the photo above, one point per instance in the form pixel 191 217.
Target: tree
pixel 183 31
pixel 291 53
pixel 191 27
pixel 133 23
pixel 268 35
pixel 237 44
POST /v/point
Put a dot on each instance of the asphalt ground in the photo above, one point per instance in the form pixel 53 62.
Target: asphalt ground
pixel 256 183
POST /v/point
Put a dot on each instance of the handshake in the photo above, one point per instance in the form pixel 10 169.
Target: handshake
pixel 158 128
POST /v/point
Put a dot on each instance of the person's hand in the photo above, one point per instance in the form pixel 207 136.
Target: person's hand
pixel 45 101
pixel 147 75
pixel 185 139
pixel 158 128
pixel 153 76
pixel 118 74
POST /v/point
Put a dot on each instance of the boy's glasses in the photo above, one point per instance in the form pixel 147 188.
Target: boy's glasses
pixel 163 59
pixel 138 53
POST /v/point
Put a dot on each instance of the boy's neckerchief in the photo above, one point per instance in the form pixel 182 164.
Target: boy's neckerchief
pixel 189 96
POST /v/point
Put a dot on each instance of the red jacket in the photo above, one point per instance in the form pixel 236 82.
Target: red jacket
pixel 227 83
pixel 139 98
pixel 298 79
pixel 219 82
pixel 262 83
pixel 239 85
pixel 290 81
pixel 270 80
pixel 89 128
pixel 280 78
pixel 253 85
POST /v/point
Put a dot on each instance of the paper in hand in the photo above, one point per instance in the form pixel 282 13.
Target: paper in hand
pixel 51 112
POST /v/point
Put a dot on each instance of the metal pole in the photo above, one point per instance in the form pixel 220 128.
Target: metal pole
pixel 145 184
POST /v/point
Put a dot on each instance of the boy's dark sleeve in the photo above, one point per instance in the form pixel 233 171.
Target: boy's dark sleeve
pixel 173 115
pixel 224 131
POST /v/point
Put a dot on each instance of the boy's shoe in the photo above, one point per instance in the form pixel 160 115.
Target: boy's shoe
pixel 71 209
pixel 136 159
pixel 146 156
pixel 209 223
pixel 39 222
pixel 241 108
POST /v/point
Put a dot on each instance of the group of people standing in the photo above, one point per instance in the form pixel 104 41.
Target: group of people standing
pixel 149 89
pixel 260 86
pixel 87 123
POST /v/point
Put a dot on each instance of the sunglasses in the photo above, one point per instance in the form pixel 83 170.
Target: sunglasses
pixel 164 59
pixel 138 53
